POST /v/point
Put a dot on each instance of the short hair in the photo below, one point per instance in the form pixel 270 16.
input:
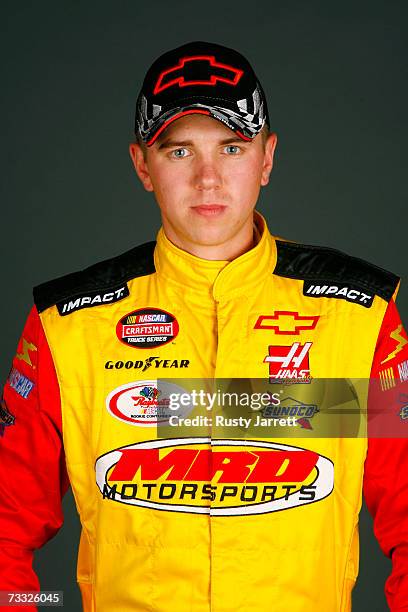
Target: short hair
pixel 265 133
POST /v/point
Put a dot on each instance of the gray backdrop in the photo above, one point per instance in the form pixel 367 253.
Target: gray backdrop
pixel 335 76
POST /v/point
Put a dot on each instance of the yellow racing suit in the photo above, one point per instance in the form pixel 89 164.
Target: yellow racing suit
pixel 207 517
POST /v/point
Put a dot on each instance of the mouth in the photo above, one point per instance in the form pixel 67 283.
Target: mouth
pixel 208 210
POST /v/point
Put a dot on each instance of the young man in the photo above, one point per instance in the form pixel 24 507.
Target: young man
pixel 192 519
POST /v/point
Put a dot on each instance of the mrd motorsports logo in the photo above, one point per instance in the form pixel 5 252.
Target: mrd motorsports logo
pixel 216 477
pixel 143 403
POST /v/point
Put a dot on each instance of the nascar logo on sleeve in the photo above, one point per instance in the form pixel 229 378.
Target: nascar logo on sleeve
pixel 20 383
pixel 216 477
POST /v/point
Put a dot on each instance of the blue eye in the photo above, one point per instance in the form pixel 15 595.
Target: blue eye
pixel 233 147
pixel 178 151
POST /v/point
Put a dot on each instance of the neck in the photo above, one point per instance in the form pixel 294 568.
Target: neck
pixel 227 250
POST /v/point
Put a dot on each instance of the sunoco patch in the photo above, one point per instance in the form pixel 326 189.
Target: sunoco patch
pixel 147 328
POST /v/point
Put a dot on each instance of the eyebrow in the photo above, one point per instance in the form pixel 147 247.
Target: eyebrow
pixel 169 143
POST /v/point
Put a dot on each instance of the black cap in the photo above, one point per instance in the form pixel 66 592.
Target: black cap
pixel 201 77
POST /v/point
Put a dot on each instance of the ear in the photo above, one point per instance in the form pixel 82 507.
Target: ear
pixel 270 147
pixel 142 171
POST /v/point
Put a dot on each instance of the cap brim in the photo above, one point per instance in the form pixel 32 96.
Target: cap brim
pixel 154 133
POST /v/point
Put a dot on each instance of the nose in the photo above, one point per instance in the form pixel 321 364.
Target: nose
pixel 207 175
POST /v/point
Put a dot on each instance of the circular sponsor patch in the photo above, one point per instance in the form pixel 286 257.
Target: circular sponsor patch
pixel 147 328
pixel 146 403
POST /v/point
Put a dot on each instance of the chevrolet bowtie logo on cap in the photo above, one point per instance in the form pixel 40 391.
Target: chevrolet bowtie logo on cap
pixel 201 77
pixel 197 70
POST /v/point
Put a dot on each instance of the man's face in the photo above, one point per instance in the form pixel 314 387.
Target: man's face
pixel 205 178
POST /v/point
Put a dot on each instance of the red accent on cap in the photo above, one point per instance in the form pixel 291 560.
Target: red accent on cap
pixel 241 135
pixel 187 112
pixel 192 111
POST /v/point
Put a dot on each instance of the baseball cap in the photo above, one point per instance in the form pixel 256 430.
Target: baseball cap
pixel 201 77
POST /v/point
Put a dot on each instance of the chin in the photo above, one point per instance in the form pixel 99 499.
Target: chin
pixel 208 237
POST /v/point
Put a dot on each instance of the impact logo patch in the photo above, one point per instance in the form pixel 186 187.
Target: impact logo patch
pixel 216 477
pixel 142 403
pixel 93 298
pixel 341 291
pixel 20 383
pixel 147 327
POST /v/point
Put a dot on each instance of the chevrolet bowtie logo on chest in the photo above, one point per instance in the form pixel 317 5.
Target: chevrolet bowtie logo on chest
pixel 197 70
pixel 286 322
